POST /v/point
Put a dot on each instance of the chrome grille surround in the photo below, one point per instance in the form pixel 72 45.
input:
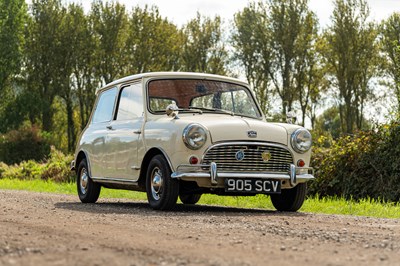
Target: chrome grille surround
pixel 223 154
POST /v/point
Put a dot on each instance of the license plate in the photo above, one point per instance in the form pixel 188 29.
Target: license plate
pixel 256 186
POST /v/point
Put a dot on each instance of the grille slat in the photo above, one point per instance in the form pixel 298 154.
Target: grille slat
pixel 224 156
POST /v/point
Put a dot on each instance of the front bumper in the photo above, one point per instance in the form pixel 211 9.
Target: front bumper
pixel 295 174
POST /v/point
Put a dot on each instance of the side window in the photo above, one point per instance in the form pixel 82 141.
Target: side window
pixel 160 104
pixel 105 106
pixel 130 104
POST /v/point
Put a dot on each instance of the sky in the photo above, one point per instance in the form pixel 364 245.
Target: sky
pixel 181 11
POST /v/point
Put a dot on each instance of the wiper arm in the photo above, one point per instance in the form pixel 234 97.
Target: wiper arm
pixel 190 110
pixel 211 110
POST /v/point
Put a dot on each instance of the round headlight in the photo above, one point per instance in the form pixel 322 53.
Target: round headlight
pixel 194 136
pixel 301 140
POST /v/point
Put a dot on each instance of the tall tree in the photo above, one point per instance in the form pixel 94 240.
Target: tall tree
pixel 390 40
pixel 43 65
pixel 13 16
pixel 153 43
pixel 250 41
pixel 274 42
pixel 110 23
pixel 351 54
pixel 72 30
pixel 84 79
pixel 204 50
pixel 310 76
pixel 292 26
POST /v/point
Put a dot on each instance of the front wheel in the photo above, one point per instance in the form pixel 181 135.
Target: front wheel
pixel 162 190
pixel 88 191
pixel 190 198
pixel 290 200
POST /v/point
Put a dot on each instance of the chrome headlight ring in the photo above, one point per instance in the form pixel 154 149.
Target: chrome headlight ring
pixel 301 140
pixel 194 136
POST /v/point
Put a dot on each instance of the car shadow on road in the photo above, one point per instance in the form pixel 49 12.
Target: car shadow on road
pixel 143 208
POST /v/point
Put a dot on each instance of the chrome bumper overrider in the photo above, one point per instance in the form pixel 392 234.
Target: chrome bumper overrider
pixel 294 176
pixel 72 165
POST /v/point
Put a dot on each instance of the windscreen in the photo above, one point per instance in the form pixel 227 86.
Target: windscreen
pixel 205 95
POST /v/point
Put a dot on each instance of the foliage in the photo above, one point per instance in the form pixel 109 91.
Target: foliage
pixel 55 168
pixel 390 41
pixel 109 22
pixel 363 165
pixel 203 48
pixel 252 52
pixel 27 143
pixel 19 109
pixel 328 123
pixel 154 43
pixel 283 34
pixel 351 56
pixel 13 15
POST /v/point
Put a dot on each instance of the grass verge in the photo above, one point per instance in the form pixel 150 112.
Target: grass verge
pixel 367 207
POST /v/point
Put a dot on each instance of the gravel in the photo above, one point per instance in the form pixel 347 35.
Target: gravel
pixel 51 229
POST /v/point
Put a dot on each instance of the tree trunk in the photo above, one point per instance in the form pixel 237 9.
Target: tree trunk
pixel 70 125
pixel 47 117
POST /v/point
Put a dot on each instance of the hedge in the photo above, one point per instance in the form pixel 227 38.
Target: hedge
pixel 364 165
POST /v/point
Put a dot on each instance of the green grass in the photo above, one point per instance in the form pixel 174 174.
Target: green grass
pixel 64 188
pixel 367 207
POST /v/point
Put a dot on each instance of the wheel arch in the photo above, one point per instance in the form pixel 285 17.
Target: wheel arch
pixel 146 160
pixel 82 155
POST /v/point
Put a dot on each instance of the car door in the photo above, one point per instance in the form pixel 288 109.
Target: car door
pixel 124 134
pixel 96 132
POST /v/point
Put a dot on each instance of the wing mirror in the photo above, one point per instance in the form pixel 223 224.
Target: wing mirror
pixel 172 110
pixel 291 117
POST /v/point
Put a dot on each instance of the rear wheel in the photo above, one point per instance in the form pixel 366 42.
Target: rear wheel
pixel 162 190
pixel 290 200
pixel 190 198
pixel 88 191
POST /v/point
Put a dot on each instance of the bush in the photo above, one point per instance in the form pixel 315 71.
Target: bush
pixel 364 165
pixel 56 169
pixel 27 143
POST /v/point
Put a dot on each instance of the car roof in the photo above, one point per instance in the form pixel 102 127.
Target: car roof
pixel 171 75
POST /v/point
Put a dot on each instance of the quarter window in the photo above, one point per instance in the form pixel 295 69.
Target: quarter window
pixel 105 106
pixel 130 102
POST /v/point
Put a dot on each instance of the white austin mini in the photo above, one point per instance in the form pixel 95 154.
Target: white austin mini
pixel 185 134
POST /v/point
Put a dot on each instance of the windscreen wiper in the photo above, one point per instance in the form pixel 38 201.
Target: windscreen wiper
pixel 211 110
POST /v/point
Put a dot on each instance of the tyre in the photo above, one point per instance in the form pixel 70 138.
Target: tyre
pixel 162 190
pixel 290 200
pixel 88 191
pixel 190 198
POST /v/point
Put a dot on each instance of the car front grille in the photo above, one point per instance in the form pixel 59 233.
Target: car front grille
pixel 226 157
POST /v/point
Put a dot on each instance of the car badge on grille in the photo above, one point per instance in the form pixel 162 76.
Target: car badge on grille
pixel 266 156
pixel 239 155
pixel 252 134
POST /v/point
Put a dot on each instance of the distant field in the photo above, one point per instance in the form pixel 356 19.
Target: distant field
pixel 366 207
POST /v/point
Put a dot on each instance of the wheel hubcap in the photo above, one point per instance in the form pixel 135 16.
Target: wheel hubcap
pixel 156 183
pixel 83 181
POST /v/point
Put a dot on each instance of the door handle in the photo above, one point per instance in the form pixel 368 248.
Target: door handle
pixel 137 132
pixel 109 127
